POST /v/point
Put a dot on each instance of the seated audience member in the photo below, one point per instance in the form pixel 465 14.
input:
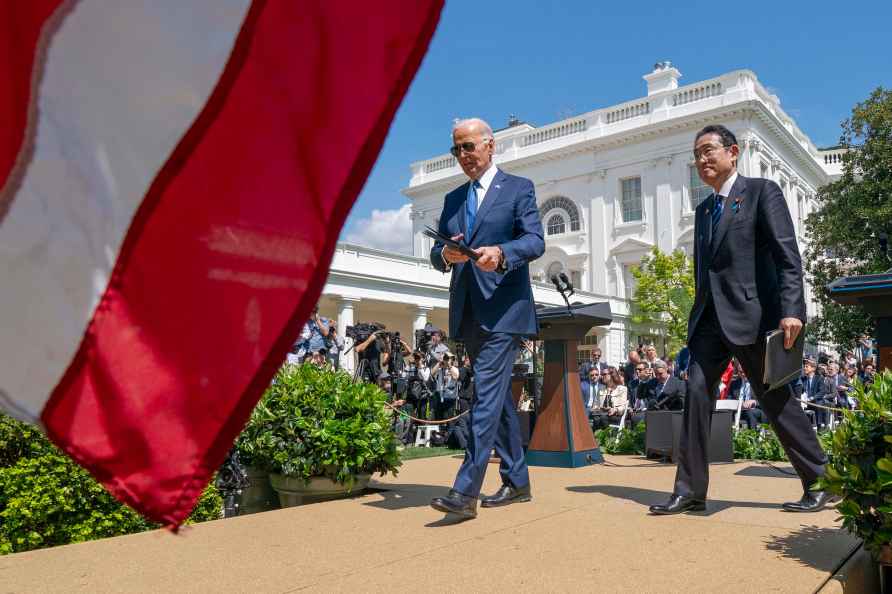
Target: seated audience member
pixel 594 362
pixel 630 368
pixel 637 392
pixel 664 392
pixel 816 390
pixel 850 376
pixel 867 377
pixel 614 401
pixel 590 390
pixel 650 355
pixel 751 413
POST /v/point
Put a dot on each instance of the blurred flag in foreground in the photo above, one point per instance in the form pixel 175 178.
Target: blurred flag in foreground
pixel 173 179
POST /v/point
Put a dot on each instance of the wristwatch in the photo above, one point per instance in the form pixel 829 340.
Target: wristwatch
pixel 502 267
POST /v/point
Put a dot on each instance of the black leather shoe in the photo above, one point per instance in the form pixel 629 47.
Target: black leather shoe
pixel 456 503
pixel 812 501
pixel 507 495
pixel 678 504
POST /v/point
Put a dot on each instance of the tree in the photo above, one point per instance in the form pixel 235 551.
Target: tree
pixel 664 294
pixel 853 214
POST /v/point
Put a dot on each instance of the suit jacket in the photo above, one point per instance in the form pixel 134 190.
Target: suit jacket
pixel 585 386
pixel 751 268
pixel 672 395
pixel 509 218
pixel 817 389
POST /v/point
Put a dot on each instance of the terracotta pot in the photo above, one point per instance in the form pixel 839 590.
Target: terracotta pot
pixel 885 557
pixel 295 491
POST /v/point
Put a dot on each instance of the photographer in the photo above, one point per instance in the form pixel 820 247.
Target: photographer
pixel 446 375
pixel 436 349
pixel 312 337
pixel 465 385
pixel 369 354
pixel 335 346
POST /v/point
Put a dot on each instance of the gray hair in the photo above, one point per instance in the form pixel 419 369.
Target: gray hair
pixel 486 130
pixel 660 364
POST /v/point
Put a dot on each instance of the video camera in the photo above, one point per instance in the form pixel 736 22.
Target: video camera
pixel 361 332
pixel 423 337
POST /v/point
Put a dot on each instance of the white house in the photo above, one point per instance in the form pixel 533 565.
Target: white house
pixel 611 184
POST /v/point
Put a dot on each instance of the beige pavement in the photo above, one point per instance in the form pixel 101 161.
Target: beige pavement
pixel 587 529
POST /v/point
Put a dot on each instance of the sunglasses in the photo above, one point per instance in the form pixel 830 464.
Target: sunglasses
pixel 465 147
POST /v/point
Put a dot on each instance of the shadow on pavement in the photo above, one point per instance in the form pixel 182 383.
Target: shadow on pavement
pixel 812 546
pixel 401 496
pixel 762 470
pixel 648 497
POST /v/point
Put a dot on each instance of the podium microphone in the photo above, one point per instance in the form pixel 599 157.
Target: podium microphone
pixel 567 284
pixel 562 287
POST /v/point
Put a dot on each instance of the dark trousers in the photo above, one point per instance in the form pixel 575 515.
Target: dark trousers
pixel 710 354
pixel 752 417
pixel 493 418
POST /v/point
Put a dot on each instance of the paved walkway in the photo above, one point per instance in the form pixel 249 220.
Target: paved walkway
pixel 586 530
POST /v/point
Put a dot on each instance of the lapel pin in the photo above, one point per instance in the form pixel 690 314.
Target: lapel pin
pixel 736 206
pixel 498 187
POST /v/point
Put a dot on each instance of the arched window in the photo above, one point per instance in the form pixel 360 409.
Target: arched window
pixel 564 204
pixel 555 225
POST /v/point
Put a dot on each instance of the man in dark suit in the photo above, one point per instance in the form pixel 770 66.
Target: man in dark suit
pixel 490 308
pixel 741 389
pixel 748 276
pixel 816 389
pixel 664 392
pixel 590 388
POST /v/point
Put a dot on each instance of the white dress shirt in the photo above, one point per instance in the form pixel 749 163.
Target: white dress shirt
pixel 726 187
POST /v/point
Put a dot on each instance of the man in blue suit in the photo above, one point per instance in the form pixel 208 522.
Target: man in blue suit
pixel 490 308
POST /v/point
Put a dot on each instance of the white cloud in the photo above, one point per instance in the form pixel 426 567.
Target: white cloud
pixel 389 230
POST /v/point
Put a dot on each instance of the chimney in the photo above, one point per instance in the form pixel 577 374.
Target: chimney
pixel 663 78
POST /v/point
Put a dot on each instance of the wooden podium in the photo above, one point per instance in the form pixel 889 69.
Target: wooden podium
pixel 873 292
pixel 563 437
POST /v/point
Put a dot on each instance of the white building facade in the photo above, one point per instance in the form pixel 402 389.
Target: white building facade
pixel 611 184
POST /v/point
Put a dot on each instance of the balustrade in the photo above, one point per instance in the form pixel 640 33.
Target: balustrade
pixel 556 131
pixel 628 112
pixel 697 93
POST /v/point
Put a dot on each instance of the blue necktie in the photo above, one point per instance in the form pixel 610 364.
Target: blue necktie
pixel 471 205
pixel 717 213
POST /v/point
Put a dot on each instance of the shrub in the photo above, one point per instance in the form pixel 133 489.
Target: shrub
pixel 47 500
pixel 631 441
pixel 313 422
pixel 758 444
pixel 860 468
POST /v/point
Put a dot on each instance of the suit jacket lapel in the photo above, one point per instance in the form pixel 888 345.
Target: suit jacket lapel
pixel 492 194
pixel 737 189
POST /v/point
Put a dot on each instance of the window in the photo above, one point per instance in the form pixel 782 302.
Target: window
pixel 631 200
pixel 555 225
pixel 629 282
pixel 567 206
pixel 699 190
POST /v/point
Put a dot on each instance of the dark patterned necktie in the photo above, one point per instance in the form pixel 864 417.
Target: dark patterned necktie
pixel 717 213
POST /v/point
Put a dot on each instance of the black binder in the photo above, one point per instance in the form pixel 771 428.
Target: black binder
pixel 781 365
pixel 447 241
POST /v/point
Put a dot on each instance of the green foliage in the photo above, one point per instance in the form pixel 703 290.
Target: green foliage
pixel 664 294
pixel 631 441
pixel 20 440
pixel 860 468
pixel 852 211
pixel 46 499
pixel 758 444
pixel 313 422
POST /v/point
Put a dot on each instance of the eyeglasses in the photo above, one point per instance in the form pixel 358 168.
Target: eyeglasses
pixel 708 151
pixel 640 368
pixel 466 147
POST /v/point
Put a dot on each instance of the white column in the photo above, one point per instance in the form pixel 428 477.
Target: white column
pixel 346 308
pixel 421 320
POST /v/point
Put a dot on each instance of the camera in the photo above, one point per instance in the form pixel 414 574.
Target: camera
pixel 361 332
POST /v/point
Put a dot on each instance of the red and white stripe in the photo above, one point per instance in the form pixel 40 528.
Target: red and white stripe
pixel 168 210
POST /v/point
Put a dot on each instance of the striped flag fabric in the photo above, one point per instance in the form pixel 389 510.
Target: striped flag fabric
pixel 173 179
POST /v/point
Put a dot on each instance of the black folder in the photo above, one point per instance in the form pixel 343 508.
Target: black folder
pixel 781 365
pixel 447 241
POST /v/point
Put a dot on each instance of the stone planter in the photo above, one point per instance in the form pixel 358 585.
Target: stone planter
pixel 295 491
pixel 259 496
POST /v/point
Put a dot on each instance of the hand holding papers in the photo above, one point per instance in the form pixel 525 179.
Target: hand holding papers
pixel 449 242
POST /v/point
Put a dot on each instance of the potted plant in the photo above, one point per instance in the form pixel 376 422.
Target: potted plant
pixel 321 435
pixel 860 467
pixel 258 496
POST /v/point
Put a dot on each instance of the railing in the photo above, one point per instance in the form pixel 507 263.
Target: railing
pixel 697 93
pixel 833 158
pixel 555 131
pixel 628 112
pixel 440 164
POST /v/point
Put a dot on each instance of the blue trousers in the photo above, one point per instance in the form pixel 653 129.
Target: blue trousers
pixel 493 421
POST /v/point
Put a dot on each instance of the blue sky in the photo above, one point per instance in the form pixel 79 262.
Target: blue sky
pixel 545 61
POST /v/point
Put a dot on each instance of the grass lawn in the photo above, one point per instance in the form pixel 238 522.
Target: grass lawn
pixel 412 453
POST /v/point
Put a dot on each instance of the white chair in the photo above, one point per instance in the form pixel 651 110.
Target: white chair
pixel 735 405
pixel 621 425
pixel 423 435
